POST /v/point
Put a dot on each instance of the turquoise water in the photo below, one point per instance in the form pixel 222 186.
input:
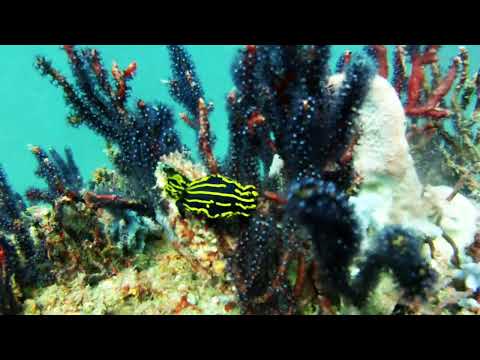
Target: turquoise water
pixel 32 111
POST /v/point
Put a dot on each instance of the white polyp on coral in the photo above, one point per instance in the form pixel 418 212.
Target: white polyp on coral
pixel 276 166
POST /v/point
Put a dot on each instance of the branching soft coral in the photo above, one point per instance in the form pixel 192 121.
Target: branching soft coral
pixel 336 235
pixel 186 89
pixel 61 176
pixel 9 266
pixel 419 58
pixel 21 259
pixel 140 135
pixel 11 208
pixel 283 105
pixel 287 111
pixel 442 128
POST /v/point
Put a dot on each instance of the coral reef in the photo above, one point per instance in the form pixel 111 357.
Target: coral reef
pixel 337 237
pixel 61 176
pixel 443 129
pixel 85 231
pixel 167 285
pixel 137 137
pixel 23 261
pixel 340 220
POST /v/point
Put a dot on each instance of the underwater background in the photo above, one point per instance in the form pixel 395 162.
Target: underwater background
pixel 32 112
pixel 303 179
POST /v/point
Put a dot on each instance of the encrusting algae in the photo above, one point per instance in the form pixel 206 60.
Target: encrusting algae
pixel 324 203
pixel 171 286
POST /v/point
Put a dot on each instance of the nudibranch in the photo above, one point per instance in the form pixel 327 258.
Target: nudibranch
pixel 214 196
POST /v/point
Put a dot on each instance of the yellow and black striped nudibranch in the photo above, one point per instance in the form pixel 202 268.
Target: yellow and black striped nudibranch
pixel 214 196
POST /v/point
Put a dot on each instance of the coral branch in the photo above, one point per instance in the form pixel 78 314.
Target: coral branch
pixel 254 120
pixel 9 267
pixel 415 85
pixel 400 69
pixel 185 87
pixel 205 141
pixel 477 104
pixel 116 202
pixel 121 77
pixel 287 113
pixel 11 208
pixel 301 273
pixel 61 176
pixel 275 198
pixel 379 52
pixel 139 137
pixel 336 237
pixel 344 61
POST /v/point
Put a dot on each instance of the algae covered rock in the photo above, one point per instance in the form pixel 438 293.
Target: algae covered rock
pixel 170 286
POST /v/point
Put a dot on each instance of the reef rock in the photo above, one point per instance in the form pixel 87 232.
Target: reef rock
pixel 391 190
pixel 457 218
pixel 382 152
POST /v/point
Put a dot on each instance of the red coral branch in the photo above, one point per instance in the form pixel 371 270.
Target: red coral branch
pixel 346 58
pixel 232 97
pixel 416 81
pixel 400 66
pixel 113 201
pixel 380 52
pixel 3 258
pixel 182 305
pixel 474 249
pixel 255 120
pixel 251 49
pixel 100 73
pixel 477 104
pixel 427 132
pixel 69 50
pixel 347 156
pixel 274 197
pixel 121 78
pixel 188 121
pixel 204 137
pixel 301 275
pixel 277 281
pixel 96 65
pixel 272 146
pixel 417 77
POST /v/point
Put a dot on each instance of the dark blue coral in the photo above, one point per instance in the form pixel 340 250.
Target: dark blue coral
pixel 308 123
pixel 11 222
pixel 9 267
pixel 140 135
pixel 13 226
pixel 334 228
pixel 185 86
pixel 336 235
pixel 397 249
pixel 283 104
pixel 62 176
